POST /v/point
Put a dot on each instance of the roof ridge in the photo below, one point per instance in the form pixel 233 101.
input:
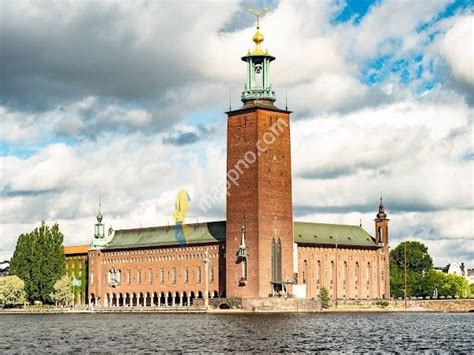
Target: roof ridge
pixel 166 226
pixel 330 224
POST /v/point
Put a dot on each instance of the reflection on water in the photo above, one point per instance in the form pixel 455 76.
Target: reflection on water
pixel 347 332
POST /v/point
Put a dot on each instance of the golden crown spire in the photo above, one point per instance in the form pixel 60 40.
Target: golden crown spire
pixel 258 37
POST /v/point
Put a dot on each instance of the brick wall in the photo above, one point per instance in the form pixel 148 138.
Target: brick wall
pixel 352 273
pixel 153 271
pixel 261 198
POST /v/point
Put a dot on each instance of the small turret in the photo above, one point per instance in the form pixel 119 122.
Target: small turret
pixel 381 225
pixel 100 240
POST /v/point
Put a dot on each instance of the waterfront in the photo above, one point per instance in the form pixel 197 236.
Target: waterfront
pixel 125 333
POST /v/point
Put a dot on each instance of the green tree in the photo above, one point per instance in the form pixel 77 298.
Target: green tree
pixel 418 259
pixel 39 261
pixel 418 263
pixel 454 285
pixel 12 291
pixel 62 293
pixel 324 297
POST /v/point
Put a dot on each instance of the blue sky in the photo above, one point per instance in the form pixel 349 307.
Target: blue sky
pixel 381 93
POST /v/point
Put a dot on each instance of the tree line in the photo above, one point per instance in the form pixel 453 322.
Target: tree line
pixel 37 269
pixel 422 280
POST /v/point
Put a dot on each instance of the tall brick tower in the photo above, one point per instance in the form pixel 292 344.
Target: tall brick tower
pixel 381 236
pixel 259 232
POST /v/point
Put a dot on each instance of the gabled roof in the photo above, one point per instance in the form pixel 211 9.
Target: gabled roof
pixel 198 233
pixel 331 234
pixel 214 232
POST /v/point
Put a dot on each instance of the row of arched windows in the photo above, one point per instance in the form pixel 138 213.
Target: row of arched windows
pixel 332 271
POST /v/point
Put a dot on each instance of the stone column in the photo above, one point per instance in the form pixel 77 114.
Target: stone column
pixel 166 299
pixel 173 299
pixel 181 300
pixel 159 299
pixel 152 300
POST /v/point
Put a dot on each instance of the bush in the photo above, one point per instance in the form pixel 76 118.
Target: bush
pixel 382 303
pixel 12 291
pixel 324 298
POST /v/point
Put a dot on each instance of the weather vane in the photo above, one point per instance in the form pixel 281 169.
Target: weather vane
pixel 258 13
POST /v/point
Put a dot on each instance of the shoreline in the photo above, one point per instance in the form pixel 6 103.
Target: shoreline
pixel 393 306
pixel 223 311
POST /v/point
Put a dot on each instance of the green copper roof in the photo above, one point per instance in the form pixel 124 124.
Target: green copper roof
pixel 199 233
pixel 214 232
pixel 340 234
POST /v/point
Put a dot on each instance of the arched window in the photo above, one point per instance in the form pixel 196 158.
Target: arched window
pixel 211 273
pixel 129 276
pixel 150 276
pixel 333 272
pixel 199 276
pixel 162 275
pixel 139 276
pixel 186 275
pixel 318 272
pixel 346 274
pixel 380 234
pixel 356 275
pixel 305 271
pixel 174 275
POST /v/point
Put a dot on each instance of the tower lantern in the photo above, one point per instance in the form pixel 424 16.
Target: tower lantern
pixel 100 240
pixel 99 230
pixel 257 85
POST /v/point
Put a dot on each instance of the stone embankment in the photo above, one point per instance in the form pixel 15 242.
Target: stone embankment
pixel 276 305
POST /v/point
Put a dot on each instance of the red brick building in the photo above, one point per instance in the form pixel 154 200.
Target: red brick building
pixel 259 251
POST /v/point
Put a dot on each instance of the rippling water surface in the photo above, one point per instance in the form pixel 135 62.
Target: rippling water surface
pixel 348 332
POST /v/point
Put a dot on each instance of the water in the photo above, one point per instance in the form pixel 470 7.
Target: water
pixel 348 332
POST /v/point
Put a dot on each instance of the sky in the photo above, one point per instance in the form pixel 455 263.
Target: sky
pixel 126 100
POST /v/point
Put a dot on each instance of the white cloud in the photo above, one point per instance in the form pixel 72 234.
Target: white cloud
pixel 457 47
pixel 117 76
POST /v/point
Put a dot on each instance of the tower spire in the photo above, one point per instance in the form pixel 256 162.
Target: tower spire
pixel 381 214
pixel 99 214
